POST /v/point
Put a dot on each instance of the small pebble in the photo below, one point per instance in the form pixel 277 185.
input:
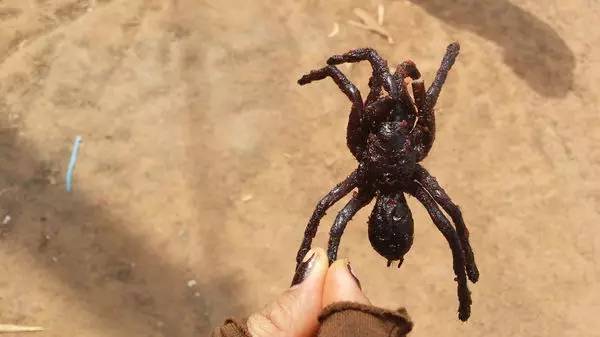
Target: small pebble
pixel 54 259
pixel 6 220
pixel 197 294
pixel 247 197
pixel 191 283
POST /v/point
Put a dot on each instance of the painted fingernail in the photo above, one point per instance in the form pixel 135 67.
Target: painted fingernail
pixel 353 275
pixel 305 267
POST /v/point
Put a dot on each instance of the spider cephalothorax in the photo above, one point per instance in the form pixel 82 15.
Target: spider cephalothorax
pixel 389 133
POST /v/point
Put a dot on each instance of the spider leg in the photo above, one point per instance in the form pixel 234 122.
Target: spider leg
pixel 440 77
pixel 381 74
pixel 338 192
pixel 439 195
pixel 424 132
pixel 442 223
pixel 356 135
pixel 349 89
pixel 425 101
pixel 375 87
pixel 360 200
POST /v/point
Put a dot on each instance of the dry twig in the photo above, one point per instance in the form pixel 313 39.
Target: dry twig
pixel 370 23
pixel 10 328
pixel 380 14
pixel 335 30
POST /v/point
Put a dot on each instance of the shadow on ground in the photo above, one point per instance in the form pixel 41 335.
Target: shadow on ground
pixel 532 49
pixel 77 240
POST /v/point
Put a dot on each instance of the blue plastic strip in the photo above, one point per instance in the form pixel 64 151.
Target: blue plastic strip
pixel 72 161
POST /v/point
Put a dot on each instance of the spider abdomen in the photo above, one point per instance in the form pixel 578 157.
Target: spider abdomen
pixel 391 226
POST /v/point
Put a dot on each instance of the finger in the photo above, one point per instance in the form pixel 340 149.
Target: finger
pixel 294 313
pixel 341 284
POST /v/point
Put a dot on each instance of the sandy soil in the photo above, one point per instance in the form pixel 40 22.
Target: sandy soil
pixel 202 160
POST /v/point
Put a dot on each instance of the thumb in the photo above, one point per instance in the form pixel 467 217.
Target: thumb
pixel 294 313
pixel 341 284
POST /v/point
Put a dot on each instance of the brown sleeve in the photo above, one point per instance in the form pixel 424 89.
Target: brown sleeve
pixel 342 319
pixel 349 319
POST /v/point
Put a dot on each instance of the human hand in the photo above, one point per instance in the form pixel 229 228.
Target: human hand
pixel 315 286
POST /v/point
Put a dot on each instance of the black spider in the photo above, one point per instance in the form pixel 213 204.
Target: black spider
pixel 389 134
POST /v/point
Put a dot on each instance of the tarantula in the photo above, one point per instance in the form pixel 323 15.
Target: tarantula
pixel 389 134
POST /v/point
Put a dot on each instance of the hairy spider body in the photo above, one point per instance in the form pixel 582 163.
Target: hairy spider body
pixel 390 157
pixel 389 133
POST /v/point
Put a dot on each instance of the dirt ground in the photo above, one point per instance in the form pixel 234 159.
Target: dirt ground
pixel 202 161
